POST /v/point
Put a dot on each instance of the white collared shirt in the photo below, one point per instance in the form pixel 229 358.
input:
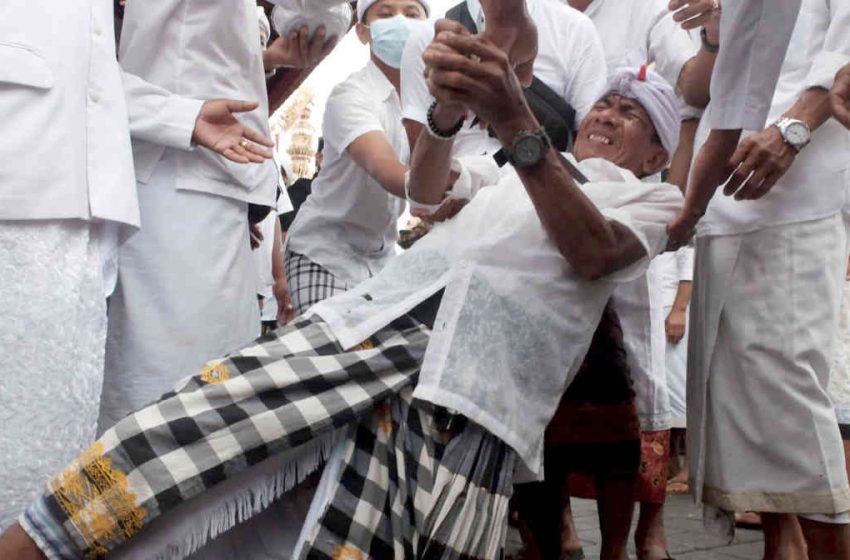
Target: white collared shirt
pixel 570 60
pixel 816 184
pixel 515 321
pixel 348 224
pixel 177 53
pixel 754 35
pixel 65 148
pixel 635 32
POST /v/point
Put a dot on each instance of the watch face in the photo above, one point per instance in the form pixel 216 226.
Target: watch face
pixel 797 133
pixel 528 150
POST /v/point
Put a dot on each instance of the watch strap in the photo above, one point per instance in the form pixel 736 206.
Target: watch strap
pixel 540 134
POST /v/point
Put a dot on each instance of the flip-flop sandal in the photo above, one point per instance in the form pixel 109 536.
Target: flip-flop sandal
pixel 751 521
pixel 678 488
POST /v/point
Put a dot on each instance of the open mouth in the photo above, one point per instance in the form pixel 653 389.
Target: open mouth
pixel 599 139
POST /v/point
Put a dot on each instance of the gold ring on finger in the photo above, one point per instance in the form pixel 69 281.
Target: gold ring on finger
pixel 244 143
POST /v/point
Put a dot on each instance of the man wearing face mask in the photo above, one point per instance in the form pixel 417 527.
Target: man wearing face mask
pixel 346 230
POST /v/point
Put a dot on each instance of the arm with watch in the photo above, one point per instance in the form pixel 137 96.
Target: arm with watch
pixel 486 84
pixel 767 155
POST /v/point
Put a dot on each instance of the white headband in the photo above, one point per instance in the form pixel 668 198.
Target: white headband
pixel 364 5
pixel 657 98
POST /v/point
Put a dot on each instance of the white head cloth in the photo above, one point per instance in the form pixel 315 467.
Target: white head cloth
pixel 265 26
pixel 364 5
pixel 657 98
pixel 289 15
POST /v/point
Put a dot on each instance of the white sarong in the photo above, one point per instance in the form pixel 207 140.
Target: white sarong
pixel 839 378
pixel 186 293
pixel 762 434
pixel 52 337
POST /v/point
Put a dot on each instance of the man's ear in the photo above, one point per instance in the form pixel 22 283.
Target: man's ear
pixel 655 160
pixel 363 33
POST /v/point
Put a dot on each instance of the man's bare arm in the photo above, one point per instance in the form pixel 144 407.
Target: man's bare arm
pixel 592 245
pixel 15 543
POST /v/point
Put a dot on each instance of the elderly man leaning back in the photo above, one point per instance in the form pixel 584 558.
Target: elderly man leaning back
pixel 437 380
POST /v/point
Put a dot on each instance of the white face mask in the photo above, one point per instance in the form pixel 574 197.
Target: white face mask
pixel 389 36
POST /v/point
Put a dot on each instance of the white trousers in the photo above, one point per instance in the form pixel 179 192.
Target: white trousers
pixel 186 293
pixel 762 434
pixel 52 336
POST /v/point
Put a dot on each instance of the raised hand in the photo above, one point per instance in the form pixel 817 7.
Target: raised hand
pixel 510 28
pixel 218 129
pixel 693 14
pixel 471 71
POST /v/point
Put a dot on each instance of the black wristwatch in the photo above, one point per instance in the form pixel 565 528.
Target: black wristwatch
pixel 528 148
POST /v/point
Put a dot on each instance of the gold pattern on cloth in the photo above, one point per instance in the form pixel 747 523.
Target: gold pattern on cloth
pixel 215 373
pixel 385 417
pixel 365 345
pixel 95 497
pixel 347 553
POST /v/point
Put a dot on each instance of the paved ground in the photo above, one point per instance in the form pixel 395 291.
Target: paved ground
pixel 686 536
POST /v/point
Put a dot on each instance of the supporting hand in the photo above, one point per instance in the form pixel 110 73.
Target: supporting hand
pixel 760 161
pixel 839 97
pixel 218 129
pixel 296 50
pixel 710 170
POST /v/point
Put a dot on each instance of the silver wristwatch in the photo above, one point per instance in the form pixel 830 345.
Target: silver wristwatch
pixel 796 133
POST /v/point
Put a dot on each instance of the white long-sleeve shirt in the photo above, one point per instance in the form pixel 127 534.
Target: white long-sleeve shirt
pixel 515 321
pixel 65 148
pixel 177 53
pixel 754 36
pixel 816 184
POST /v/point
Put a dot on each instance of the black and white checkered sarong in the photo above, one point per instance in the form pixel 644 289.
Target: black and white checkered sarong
pixel 406 487
pixel 412 487
pixel 309 282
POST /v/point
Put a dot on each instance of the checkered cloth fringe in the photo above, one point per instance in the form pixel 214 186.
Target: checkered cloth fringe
pixel 289 394
pixel 309 283
pixel 410 488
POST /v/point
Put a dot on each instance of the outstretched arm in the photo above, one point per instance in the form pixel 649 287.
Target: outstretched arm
pixel 487 85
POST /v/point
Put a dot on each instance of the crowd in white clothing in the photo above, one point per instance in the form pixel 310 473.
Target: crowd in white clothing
pixel 682 166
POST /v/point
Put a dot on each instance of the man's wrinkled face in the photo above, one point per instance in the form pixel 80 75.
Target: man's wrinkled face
pixel 620 130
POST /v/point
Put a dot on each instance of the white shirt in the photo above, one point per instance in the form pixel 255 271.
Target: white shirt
pixel 515 321
pixel 179 52
pixel 348 223
pixel 570 60
pixel 816 184
pixel 674 268
pixel 635 32
pixel 65 150
pixel 640 308
pixel 754 35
